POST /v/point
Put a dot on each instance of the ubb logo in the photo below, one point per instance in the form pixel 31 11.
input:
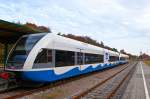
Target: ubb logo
pixel 107 56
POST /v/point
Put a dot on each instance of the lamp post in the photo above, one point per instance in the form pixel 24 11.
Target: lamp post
pixel 141 56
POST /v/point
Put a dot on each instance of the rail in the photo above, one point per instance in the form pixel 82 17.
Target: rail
pixel 80 95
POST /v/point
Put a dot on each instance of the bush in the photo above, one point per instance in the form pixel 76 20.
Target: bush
pixel 147 62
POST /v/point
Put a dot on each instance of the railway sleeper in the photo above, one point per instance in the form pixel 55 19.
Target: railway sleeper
pixel 8 84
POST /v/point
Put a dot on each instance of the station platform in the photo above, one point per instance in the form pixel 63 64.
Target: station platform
pixel 139 85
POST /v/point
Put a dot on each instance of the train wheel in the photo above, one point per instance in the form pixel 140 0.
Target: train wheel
pixel 31 84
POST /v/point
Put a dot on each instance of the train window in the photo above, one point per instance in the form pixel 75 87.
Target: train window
pixel 113 58
pixel 21 50
pixel 122 58
pixel 45 56
pixel 43 59
pixel 64 58
pixel 93 58
pixel 49 56
pixel 80 58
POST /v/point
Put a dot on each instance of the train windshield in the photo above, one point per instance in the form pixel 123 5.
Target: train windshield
pixel 21 50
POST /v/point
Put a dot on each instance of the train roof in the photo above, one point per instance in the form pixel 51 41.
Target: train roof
pixel 64 43
pixel 85 47
pixel 74 45
pixel 123 55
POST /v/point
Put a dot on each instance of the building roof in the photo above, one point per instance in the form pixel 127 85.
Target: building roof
pixel 10 32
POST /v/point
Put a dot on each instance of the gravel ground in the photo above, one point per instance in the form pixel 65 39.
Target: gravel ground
pixel 69 89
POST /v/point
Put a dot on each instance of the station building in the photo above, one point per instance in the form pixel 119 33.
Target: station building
pixel 9 33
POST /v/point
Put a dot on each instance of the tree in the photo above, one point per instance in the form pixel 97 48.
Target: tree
pixel 114 49
pixel 91 41
pixel 40 28
pixel 59 33
pixel 88 40
pixel 144 56
pixel 102 44
pixel 122 51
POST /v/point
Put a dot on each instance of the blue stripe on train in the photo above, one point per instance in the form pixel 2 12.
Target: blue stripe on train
pixel 50 76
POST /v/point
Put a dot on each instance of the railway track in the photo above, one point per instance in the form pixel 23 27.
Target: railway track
pixel 110 87
pixel 21 92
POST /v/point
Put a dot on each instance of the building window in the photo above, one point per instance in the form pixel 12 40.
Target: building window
pixel 65 58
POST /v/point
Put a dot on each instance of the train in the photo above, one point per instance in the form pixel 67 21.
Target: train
pixel 48 57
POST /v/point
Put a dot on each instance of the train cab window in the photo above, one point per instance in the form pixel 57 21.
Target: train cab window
pixel 64 58
pixel 43 59
pixel 22 48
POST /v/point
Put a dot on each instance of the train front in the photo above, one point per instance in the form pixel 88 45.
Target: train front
pixel 18 55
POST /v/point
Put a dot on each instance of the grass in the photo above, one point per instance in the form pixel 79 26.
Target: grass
pixel 147 62
pixel 53 95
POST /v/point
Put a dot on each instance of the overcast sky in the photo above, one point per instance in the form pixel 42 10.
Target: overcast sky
pixel 123 24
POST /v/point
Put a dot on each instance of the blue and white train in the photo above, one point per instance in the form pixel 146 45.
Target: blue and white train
pixel 47 57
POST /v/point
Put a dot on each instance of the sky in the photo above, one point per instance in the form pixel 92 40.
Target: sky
pixel 122 24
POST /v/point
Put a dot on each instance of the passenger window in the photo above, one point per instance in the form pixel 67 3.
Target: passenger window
pixel 113 58
pixel 44 56
pixel 65 58
pixel 43 59
pixel 93 58
pixel 122 58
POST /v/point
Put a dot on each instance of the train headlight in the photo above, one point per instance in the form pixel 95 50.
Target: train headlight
pixel 5 75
